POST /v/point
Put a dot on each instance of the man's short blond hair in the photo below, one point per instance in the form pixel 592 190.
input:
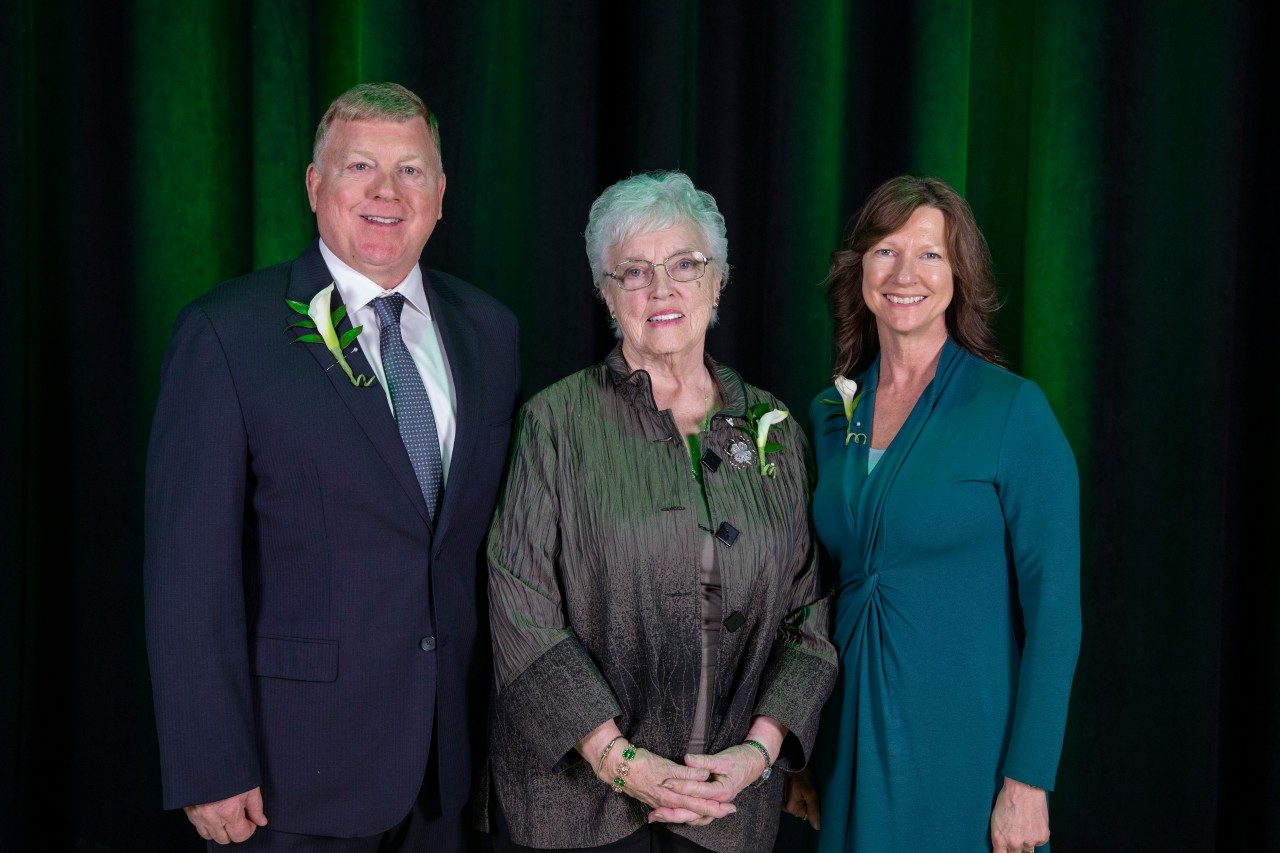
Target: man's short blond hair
pixel 376 102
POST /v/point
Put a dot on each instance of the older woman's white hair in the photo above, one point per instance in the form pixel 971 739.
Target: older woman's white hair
pixel 651 202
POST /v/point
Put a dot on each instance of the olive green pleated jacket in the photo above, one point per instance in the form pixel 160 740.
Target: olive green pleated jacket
pixel 594 585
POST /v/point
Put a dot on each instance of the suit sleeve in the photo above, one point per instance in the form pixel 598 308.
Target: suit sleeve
pixel 1039 492
pixel 195 609
pixel 550 692
pixel 802 664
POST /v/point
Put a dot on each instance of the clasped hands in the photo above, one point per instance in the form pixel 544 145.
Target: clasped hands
pixel 697 792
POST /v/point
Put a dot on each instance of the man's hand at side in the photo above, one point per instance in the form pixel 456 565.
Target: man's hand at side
pixel 232 819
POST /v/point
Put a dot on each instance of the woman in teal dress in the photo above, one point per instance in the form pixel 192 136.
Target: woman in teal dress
pixel 948 499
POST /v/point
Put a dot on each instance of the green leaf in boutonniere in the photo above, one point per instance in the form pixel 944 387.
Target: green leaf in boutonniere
pixel 760 418
pixel 318 316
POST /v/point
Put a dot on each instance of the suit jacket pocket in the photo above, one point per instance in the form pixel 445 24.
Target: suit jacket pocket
pixel 500 431
pixel 295 658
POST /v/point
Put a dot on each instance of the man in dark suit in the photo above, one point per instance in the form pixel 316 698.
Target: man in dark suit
pixel 325 457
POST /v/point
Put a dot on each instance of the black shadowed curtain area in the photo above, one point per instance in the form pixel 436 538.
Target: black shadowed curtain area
pixel 1120 158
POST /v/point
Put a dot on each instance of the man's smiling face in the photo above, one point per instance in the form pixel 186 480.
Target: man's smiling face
pixel 377 192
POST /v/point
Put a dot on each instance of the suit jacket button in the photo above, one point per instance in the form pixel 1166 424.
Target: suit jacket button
pixel 735 621
pixel 428 644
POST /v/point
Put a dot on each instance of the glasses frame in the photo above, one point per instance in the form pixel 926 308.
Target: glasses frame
pixel 698 256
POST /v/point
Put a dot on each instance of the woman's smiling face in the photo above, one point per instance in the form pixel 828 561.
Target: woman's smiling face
pixel 667 318
pixel 906 276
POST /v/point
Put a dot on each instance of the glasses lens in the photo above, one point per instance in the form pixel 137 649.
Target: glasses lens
pixel 633 275
pixel 686 266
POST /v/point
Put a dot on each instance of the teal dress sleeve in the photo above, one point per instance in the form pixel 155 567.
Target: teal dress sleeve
pixel 1039 491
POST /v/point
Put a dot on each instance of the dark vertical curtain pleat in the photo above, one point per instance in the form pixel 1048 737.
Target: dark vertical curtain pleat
pixel 1248 779
pixel 1119 158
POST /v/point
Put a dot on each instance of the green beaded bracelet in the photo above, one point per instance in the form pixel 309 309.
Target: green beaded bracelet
pixel 768 762
pixel 620 780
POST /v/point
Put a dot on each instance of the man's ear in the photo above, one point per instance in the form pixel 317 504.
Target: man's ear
pixel 313 184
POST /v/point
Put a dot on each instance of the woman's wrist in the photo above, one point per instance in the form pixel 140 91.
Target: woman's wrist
pixel 1014 785
pixel 593 745
pixel 760 755
pixel 769 733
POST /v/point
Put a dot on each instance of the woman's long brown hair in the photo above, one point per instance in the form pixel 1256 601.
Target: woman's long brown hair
pixel 887 209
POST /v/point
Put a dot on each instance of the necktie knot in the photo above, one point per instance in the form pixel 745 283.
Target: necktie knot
pixel 388 308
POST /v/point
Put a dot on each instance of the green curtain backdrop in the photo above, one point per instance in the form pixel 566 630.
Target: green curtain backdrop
pixel 1117 156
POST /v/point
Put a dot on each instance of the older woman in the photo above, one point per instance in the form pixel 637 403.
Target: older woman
pixel 658 639
pixel 949 498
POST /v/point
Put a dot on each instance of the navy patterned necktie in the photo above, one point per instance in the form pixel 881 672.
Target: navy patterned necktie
pixel 414 416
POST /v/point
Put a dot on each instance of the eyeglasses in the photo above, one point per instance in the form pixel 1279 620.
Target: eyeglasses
pixel 638 274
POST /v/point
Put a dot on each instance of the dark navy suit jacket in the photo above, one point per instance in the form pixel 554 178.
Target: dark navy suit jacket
pixel 306 625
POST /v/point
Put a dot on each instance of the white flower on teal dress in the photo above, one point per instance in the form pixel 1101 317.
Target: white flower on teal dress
pixel 850 396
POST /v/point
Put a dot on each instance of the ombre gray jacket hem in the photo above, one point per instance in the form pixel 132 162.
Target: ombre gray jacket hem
pixel 594 564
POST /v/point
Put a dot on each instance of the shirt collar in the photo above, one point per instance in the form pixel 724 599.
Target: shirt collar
pixel 358 290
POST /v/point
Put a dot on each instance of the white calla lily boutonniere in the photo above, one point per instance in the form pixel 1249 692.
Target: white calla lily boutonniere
pixel 849 397
pixel 325 323
pixel 760 418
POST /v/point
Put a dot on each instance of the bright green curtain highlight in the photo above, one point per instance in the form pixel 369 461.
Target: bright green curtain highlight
pixel 283 127
pixel 805 221
pixel 942 36
pixel 1063 208
pixel 191 206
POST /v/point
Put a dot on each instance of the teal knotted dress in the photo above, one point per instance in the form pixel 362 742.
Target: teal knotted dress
pixel 957 608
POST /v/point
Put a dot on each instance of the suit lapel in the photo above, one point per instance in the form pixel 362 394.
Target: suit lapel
pixel 367 404
pixel 464 358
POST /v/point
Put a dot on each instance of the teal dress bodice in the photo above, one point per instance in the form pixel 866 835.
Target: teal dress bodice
pixel 957 615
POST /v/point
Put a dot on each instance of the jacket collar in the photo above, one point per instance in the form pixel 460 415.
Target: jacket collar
pixel 637 386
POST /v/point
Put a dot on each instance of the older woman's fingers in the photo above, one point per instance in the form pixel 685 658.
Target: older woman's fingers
pixel 706 790
pixel 710 808
pixel 681 771
pixel 679 816
pixel 712 763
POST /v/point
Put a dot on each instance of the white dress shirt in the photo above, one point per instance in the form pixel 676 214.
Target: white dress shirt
pixel 421 337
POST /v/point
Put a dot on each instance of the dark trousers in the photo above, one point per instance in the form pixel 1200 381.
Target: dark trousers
pixel 651 838
pixel 425 829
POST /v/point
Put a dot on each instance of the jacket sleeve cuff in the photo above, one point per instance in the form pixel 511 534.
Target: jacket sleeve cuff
pixel 796 687
pixel 556 702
